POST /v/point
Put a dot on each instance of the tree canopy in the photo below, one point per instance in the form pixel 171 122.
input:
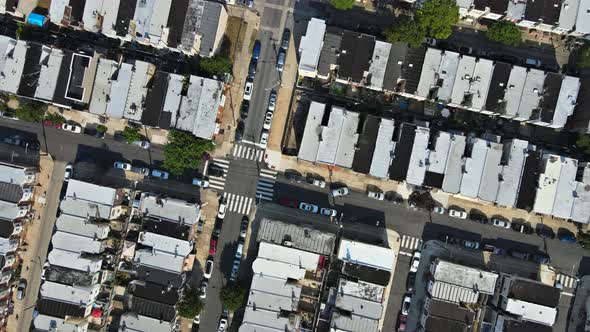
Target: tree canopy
pixel 435 19
pixel 55 118
pixel 583 143
pixel 504 32
pixel 131 134
pixel 584 56
pixel 342 4
pixel 233 298
pixel 184 151
pixel 190 305
pixel 31 112
pixel 216 65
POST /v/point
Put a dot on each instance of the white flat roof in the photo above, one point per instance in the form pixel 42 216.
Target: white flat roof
pixel 531 93
pixel 69 294
pixel 119 91
pixel 583 19
pixel 383 149
pixel 361 289
pixel 447 72
pixel 454 167
pixel 566 102
pixel 173 96
pixel 464 276
pixel 110 10
pixel 267 267
pixel 490 180
pixel 581 208
pixel 13 174
pixel 102 86
pixel 76 243
pixel 310 143
pixel 14 64
pixel 79 226
pixel 514 88
pixel 277 286
pixel 474 168
pixel 566 186
pixel 463 79
pixel 532 312
pixel 482 76
pixel 260 320
pixel 437 159
pixel 138 89
pixel 310 46
pixel 50 323
pixel 165 244
pixel 198 109
pixel 418 158
pixel 92 11
pixel 51 59
pixel 512 173
pixel 429 72
pixel 80 190
pixel 272 302
pixel 152 17
pixel 378 64
pixel 170 209
pixel 9 210
pixel 275 252
pixel 131 322
pixel 338 138
pixel 553 185
pixel 568 14
pixel 361 307
pixel 352 323
pixel 56 10
pixel 159 260
pixel 366 254
pixel 73 261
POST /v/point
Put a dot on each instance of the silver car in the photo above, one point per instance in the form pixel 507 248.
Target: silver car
pixel 308 207
pixel 340 192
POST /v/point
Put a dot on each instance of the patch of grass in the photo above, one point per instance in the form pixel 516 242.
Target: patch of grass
pixel 235 34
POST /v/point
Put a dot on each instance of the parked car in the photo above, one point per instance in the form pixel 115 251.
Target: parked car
pixel 22 287
pixel 272 101
pixel 316 182
pixel 252 68
pixel 541 258
pixel 533 62
pixel 294 177
pixel 465 50
pixel 328 212
pixel 208 268
pixel 430 41
pixel 438 210
pixel 501 223
pixel 521 228
pixel 566 237
pixel 239 131
pixel 520 255
pixel 212 246
pixel 308 207
pixel 72 128
pixel 471 244
pixel 244 226
pixel 160 174
pixel 256 50
pixel 410 282
pixel 222 325
pixel 203 292
pixel 197 319
pixel 267 121
pixel 545 232
pixel 480 218
pixel 281 60
pixel 142 144
pixel 342 191
pixel 234 270
pixel 69 171
pixel 375 195
pixel 244 109
pixel 248 89
pixel 264 138
pixel 415 261
pixel 458 214
pixel 141 170
pixel 122 165
pixel 285 39
pixel 239 251
pixel 201 183
pixel 401 323
pixel 221 210
pixel 406 304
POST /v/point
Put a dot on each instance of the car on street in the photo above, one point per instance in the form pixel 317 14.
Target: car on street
pixel 200 183
pixel 294 177
pixel 410 281
pixel 272 101
pixel 541 258
pixel 72 128
pixel 458 214
pixel 248 90
pixel 215 171
pixel 545 232
pixel 328 212
pixel 317 182
pixel 406 304
pixel 239 251
pixel 213 246
pixel 430 41
pixel 22 287
pixel 252 68
pixel 281 60
pixel 415 261
pixel 208 268
pixel 197 319
pixel 375 195
pixel 438 210
pixel 465 50
pixel 342 191
pixel 521 228
pixel 203 292
pixel 267 121
pixel 222 325
pixel 285 39
pixel 256 50
pixel 244 109
pixel 234 270
pixel 244 227
pixel 221 210
pixel 122 165
pixel 566 237
pixel 308 207
pixel 264 138
pixel 160 174
pixel 520 255
pixel 471 244
pixel 533 62
pixel 501 223
pixel 239 131
pixel 142 144
pixel 480 218
pixel 401 323
pixel 69 172
pixel 141 170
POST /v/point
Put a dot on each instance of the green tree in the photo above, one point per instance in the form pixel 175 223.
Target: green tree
pixel 504 32
pixel 583 142
pixel 216 65
pixel 2 106
pixel 233 298
pixel 101 128
pixel 55 118
pixel 131 134
pixel 190 305
pixel 342 4
pixel 410 32
pixel 31 112
pixel 584 56
pixel 184 151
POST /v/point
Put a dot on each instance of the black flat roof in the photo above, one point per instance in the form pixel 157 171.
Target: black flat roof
pixel 581 117
pixel 551 90
pixel 158 276
pixel 534 292
pixel 330 49
pixel 75 88
pixel 59 309
pixel 528 182
pixel 403 150
pixel 59 97
pixel 439 324
pixel 155 292
pixel 434 180
pixel 77 10
pixel 496 6
pixel 153 309
pixel 6 228
pixel 366 273
pixel 413 68
pixel 450 311
pixel 176 19
pixel 154 100
pixel 356 52
pixel 31 71
pixel 167 228
pixel 546 11
pixel 124 15
pixel 366 145
pixel 498 84
pixel 522 326
pixel 395 66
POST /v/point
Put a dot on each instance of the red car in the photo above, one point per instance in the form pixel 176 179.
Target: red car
pixel 289 202
pixel 402 323
pixel 51 124
pixel 213 246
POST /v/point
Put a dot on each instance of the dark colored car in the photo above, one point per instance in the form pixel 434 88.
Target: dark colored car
pixel 213 246
pixel 239 131
pixel 252 68
pixel 217 227
pixel 256 50
pixel 541 258
pixel 289 202
pixel 285 40
pixel 410 282
pixel 567 237
pixel 244 109
pixel 522 228
pixel 480 218
pixel 545 232
pixel 294 177
pixel 244 226
pixel 216 171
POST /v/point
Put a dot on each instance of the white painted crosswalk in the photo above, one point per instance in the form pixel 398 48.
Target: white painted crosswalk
pixel 566 281
pixel 411 243
pixel 247 152
pixel 266 183
pixel 238 203
pixel 218 182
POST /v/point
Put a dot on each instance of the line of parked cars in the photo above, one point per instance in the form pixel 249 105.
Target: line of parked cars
pixel 163 175
pixel 407 299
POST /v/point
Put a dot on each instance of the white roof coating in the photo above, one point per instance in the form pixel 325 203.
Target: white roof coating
pixel 512 173
pixel 474 168
pixel 378 64
pixel 566 186
pixel 310 142
pixel 276 286
pixel 267 267
pixel 447 73
pixel 310 46
pixel 353 323
pixel 429 72
pixel 9 211
pixel 170 209
pixel 51 59
pixel 464 276
pixel 159 260
pixel 437 159
pixel 13 174
pixel 568 14
pixel 198 109
pixel 454 169
pixel 50 323
pixel 79 226
pixel 531 93
pixel 383 149
pixel 514 89
pixel 566 102
pixel 359 306
pixel 583 19
pixel 84 209
pixel 91 192
pixel 92 11
pixel 260 320
pixel 419 157
pixel 173 95
pixel 490 180
pixel 132 322
pixel 482 76
pixel 74 261
pixel 361 289
pixel 138 89
pixel 12 66
pixel 463 79
pixel 165 244
pixel 102 86
pixel 110 10
pixel 272 302
pixel 56 10
pixel 76 243
pixel 532 312
pixel 581 208
pixel 151 17
pixel 366 254
pixel 8 245
pixel 339 138
pixel 556 169
pixel 275 252
pixel 69 294
pixel 119 91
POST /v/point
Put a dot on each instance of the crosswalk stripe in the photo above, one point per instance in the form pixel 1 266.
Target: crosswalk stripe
pixel 268 175
pixel 219 161
pixel 259 155
pixel 248 206
pixel 242 201
pixel 215 186
pixel 230 201
pixel 266 184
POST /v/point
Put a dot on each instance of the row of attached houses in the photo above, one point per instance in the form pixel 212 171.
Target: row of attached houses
pixel 447 78
pixel 134 90
pixel 509 173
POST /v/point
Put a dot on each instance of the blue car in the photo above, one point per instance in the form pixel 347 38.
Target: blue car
pixel 256 50
pixel 567 237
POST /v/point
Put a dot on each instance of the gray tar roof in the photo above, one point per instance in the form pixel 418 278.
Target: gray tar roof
pixel 337 144
pixel 566 102
pixel 151 17
pixel 474 168
pixel 429 72
pixel 81 226
pixel 482 76
pixel 454 167
pixel 511 172
pixel 303 238
pixel 447 72
pixel 13 174
pixel 173 96
pixel 581 208
pixel 171 209
pixel 490 180
pixel 361 307
pixel 310 143
pixel 330 50
pixel 353 323
pixel 102 86
pixel 463 79
pixel 50 64
pixel 198 109
pixel 437 159
pixel 418 159
pixel 384 146
pixel 514 90
pixel 531 93
pixel 142 73
pixel 583 19
pixel 119 91
pixel 568 14
pixel 378 65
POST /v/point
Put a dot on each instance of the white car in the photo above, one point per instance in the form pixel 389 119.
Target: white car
pixel 272 101
pixel 376 195
pixel 222 325
pixel 142 144
pixel 160 174
pixel 197 319
pixel 200 183
pixel 319 183
pixel 501 223
pixel 71 128
pixel 69 172
pixel 248 90
pixel 123 166
pixel 458 214
pixel 264 139
pixel 415 261
pixel 340 192
pixel 208 269
pixel 406 305
pixel 221 211
pixel 438 210
pixel 328 212
pixel 267 121
pixel 204 285
pixel 308 207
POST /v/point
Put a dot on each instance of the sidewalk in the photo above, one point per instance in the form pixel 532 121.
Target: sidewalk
pixel 393 240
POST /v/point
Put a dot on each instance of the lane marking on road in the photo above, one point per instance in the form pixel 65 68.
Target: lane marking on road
pixel 567 294
pixel 405 253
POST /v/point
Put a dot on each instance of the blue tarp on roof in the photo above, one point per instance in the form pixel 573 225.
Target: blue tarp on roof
pixel 36 19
